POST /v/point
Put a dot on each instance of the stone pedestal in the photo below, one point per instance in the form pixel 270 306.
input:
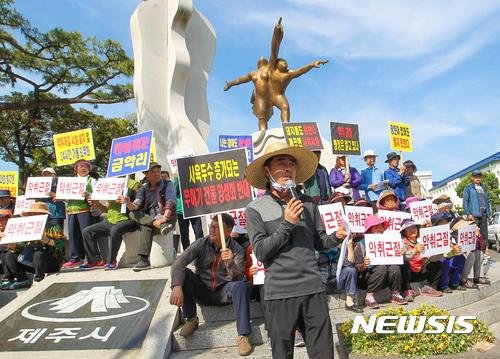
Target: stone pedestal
pixel 162 251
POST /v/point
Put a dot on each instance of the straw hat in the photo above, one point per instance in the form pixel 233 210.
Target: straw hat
pixel 36 208
pixel 306 163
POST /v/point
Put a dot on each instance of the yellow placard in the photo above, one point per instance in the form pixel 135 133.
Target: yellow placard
pixel 400 136
pixel 152 157
pixel 9 180
pixel 73 146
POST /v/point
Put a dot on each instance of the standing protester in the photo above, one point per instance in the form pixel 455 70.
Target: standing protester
pixel 398 180
pixel 345 182
pixel 318 186
pixel 372 178
pixel 285 233
pixel 6 200
pixel 476 203
pixel 57 208
pixel 414 189
pixel 154 209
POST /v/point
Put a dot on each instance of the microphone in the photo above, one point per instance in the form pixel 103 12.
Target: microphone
pixel 290 186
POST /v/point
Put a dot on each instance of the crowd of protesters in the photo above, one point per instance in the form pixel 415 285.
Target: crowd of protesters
pixel 285 233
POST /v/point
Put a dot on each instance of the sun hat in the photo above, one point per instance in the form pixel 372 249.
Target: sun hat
pixel 338 195
pixel 409 163
pixel 82 162
pixel 410 200
pixel 5 193
pixel 373 220
pixel 392 155
pixel 369 153
pixel 306 163
pixel 362 203
pixel 407 223
pixel 36 207
pixel 437 217
pixel 387 193
pixel 476 173
pixel 50 170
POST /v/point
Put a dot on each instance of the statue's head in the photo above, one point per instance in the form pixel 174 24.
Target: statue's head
pixel 282 65
pixel 262 62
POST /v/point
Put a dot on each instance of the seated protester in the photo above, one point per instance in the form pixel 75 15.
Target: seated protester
pixel 218 280
pixel 5 214
pixel 388 201
pixel 375 277
pixel 409 201
pixel 57 208
pixel 444 204
pixel 426 269
pixel 40 257
pixel 114 226
pixel 474 259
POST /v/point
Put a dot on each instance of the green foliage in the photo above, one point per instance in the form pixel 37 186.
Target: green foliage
pixel 408 345
pixel 490 181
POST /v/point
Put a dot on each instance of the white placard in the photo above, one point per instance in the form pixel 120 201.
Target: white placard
pixel 22 204
pixel 108 189
pixel 331 215
pixel 240 220
pixel 24 229
pixel 467 237
pixel 436 240
pixel 356 216
pixel 384 249
pixel 38 187
pixel 343 248
pixel 394 218
pixel 422 210
pixel 71 187
pixel 259 277
pixel 172 158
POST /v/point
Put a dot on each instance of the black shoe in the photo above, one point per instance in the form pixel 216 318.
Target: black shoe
pixel 458 287
pixel 482 280
pixel 166 228
pixel 143 264
pixel 354 308
pixel 447 290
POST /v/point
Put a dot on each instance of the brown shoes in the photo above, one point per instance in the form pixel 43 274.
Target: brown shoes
pixel 189 327
pixel 244 346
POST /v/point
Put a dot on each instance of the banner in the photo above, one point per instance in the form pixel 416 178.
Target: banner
pixel 422 210
pixel 400 137
pixel 38 187
pixel 259 277
pixel 384 249
pixel 24 229
pixel 70 187
pixel 394 218
pixel 331 215
pixel 345 138
pixel 467 238
pixel 73 146
pixel 130 154
pixel 356 216
pixel 303 134
pixel 436 240
pixel 9 180
pixel 22 204
pixel 172 159
pixel 152 156
pixel 214 182
pixel 240 220
pixel 108 189
pixel 229 142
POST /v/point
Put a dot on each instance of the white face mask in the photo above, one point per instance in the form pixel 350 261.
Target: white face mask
pixel 273 182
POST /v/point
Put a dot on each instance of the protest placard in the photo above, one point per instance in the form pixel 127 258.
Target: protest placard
pixel 172 158
pixel 331 215
pixel 384 249
pixel 213 183
pixel 70 187
pixel 9 181
pixel 152 155
pixel 22 204
pixel 356 216
pixel 303 134
pixel 345 138
pixel 130 154
pixel 73 146
pixel 108 189
pixel 38 187
pixel 467 237
pixel 400 136
pixel 240 220
pixel 259 277
pixel 229 142
pixel 436 240
pixel 24 229
pixel 343 247
pixel 422 210
pixel 394 218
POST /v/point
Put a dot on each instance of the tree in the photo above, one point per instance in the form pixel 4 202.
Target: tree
pixel 59 67
pixel 490 181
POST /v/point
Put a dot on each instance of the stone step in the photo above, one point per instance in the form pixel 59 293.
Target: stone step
pixel 259 352
pixel 488 309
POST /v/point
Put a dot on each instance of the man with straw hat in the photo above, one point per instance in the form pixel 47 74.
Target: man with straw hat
pixel 285 232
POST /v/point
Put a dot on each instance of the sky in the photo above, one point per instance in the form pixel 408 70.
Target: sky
pixel 431 64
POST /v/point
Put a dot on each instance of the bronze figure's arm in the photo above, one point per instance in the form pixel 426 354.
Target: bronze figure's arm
pixel 302 70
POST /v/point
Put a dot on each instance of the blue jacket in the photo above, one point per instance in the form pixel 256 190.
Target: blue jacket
pixel 397 182
pixel 471 201
pixel 369 176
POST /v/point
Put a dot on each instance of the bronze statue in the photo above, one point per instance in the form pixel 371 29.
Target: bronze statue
pixel 271 78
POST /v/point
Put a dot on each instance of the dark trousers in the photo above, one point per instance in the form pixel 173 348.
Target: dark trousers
pixel 382 276
pixel 452 271
pixel 43 262
pixel 195 291
pixel 482 223
pixel 115 234
pixel 184 229
pixel 308 313
pixel 147 231
pixel 430 274
pixel 76 225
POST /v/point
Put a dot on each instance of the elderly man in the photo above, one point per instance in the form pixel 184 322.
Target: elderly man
pixel 372 178
pixel 6 201
pixel 476 203
pixel 285 233
pixel 218 280
pixel 154 209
